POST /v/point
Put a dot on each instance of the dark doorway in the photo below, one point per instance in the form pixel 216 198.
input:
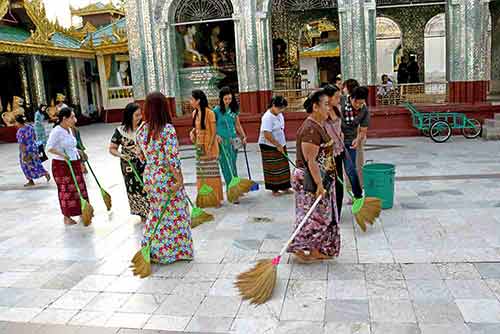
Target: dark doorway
pixel 329 68
pixel 55 74
pixel 11 85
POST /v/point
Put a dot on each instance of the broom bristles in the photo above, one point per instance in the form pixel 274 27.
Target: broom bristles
pixel 369 212
pixel 107 199
pixel 233 194
pixel 207 200
pixel 246 185
pixel 87 213
pixel 258 283
pixel 201 219
pixel 140 267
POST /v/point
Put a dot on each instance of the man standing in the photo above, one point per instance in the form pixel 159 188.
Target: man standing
pixel 355 122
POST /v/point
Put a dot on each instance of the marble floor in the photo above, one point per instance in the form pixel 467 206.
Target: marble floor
pixel 431 265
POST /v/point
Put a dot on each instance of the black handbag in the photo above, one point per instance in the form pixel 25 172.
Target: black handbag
pixel 41 153
pixel 310 185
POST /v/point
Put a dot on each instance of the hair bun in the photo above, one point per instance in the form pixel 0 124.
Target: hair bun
pixel 308 103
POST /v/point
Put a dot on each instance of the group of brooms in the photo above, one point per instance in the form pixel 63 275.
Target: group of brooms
pixel 256 284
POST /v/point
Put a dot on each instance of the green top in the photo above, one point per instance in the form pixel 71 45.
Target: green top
pixel 226 122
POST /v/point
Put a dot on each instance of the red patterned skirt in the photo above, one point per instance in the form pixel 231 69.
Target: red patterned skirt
pixel 69 200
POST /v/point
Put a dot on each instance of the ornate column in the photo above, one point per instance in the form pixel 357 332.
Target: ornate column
pixel 254 91
pixel 24 81
pixel 136 48
pixel 39 85
pixel 467 27
pixel 167 57
pixel 74 97
pixel 358 43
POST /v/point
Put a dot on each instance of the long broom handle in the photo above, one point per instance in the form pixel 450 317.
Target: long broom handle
pixel 93 174
pixel 302 223
pixel 246 159
pixel 74 178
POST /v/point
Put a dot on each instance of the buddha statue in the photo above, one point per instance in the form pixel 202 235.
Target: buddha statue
pixel 9 117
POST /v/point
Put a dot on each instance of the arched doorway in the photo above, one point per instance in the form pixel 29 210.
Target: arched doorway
pixel 319 56
pixel 290 36
pixel 389 47
pixel 205 48
pixel 435 49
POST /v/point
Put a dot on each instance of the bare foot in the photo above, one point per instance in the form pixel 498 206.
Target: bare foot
pixel 30 183
pixel 276 193
pixel 69 221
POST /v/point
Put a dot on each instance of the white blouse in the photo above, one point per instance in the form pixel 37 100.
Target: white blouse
pixel 64 141
pixel 274 124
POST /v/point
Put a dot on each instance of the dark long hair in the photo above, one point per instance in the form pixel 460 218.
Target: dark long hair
pixel 156 114
pixel 351 84
pixel 278 102
pixel 331 90
pixel 128 116
pixel 43 112
pixel 198 94
pixel 233 105
pixel 313 99
pixel 63 113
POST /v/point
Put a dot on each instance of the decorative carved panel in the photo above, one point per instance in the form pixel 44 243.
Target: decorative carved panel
pixel 203 10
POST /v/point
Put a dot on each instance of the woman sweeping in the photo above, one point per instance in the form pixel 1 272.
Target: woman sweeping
pixel 231 133
pixel 272 144
pixel 319 239
pixel 204 136
pixel 123 146
pixel 62 144
pixel 333 126
pixel 29 158
pixel 164 184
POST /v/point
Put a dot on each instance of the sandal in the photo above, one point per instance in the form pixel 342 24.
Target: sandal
pixel 69 221
pixel 29 184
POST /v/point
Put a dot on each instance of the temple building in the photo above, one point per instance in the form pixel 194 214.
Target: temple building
pixel 89 65
pixel 437 54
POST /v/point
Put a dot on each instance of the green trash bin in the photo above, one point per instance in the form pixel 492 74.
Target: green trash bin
pixel 378 182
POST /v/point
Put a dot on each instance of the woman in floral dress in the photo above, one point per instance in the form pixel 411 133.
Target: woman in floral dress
pixel 124 147
pixel 164 185
pixel 319 239
pixel 28 152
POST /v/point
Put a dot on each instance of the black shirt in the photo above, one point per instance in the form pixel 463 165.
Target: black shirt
pixel 352 119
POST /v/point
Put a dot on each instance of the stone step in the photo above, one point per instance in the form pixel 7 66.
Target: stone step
pixel 491 133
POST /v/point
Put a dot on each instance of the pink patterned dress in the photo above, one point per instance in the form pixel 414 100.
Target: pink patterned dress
pixel 172 240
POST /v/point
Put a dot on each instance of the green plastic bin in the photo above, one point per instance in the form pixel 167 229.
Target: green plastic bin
pixel 378 181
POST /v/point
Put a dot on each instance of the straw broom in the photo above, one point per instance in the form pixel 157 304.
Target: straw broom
pixel 87 209
pixel 238 186
pixel 141 262
pixel 105 195
pixel 206 197
pixel 198 216
pixel 258 283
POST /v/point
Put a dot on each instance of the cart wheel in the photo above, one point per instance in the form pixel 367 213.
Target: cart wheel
pixel 474 130
pixel 440 131
pixel 425 132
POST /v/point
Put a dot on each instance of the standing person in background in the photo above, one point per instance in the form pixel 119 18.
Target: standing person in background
pixel 62 144
pixel 272 144
pixel 29 158
pixel 40 130
pixel 355 122
pixel 338 82
pixel 123 145
pixel 333 126
pixel 204 136
pixel 231 133
pixel 164 183
pixel 403 72
pixel 349 86
pixel 413 69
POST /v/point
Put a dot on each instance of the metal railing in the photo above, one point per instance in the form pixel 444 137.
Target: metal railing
pixel 116 93
pixel 428 92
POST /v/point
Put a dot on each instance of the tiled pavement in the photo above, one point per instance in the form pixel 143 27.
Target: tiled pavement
pixel 430 266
